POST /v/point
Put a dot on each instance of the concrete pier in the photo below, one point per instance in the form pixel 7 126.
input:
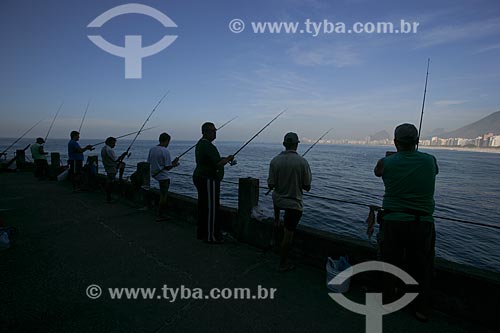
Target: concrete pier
pixel 68 241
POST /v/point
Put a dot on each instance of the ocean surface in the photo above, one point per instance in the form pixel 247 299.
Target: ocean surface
pixel 467 188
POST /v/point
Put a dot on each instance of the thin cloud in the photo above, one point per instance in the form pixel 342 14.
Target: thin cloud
pixel 269 82
pixel 458 32
pixel 449 102
pixel 488 48
pixel 340 55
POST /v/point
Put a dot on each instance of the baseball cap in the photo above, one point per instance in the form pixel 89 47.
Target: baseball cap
pixel 291 138
pixel 406 133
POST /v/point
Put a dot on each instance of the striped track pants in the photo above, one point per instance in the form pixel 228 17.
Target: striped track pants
pixel 208 208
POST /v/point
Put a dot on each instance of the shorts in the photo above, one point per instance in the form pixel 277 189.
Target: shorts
pixel 292 218
pixel 164 185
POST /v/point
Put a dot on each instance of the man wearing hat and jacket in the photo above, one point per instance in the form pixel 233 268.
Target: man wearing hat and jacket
pixel 407 230
pixel 207 176
pixel 289 175
pixel 40 158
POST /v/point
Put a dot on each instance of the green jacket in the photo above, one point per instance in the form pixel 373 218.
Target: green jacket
pixel 207 158
pixel 409 179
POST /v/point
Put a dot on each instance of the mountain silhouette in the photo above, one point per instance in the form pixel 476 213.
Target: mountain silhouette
pixel 382 135
pixel 488 124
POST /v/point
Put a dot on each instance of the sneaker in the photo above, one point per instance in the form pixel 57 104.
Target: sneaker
pixel 162 218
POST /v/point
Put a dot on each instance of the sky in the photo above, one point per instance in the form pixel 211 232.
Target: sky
pixel 357 84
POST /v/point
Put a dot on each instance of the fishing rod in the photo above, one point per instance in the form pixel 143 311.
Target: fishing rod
pixel 22 136
pixel 423 102
pixel 83 119
pixel 124 135
pixel 227 122
pixel 15 157
pixel 140 129
pixel 314 144
pixel 187 151
pixel 53 120
pixel 263 128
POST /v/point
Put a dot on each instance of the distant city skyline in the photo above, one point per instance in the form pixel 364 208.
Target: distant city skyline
pixel 357 84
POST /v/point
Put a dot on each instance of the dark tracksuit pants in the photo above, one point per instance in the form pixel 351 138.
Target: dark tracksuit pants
pixel 410 246
pixel 208 208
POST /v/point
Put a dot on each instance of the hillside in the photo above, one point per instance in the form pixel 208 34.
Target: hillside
pixel 487 124
pixel 382 135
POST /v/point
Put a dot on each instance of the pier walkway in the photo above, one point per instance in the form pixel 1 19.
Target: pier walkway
pixel 67 241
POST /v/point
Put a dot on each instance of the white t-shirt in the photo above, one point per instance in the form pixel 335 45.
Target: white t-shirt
pixel 158 159
pixel 108 159
pixel 289 172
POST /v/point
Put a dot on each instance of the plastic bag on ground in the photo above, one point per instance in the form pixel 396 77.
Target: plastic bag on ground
pixel 261 213
pixel 4 240
pixel 333 268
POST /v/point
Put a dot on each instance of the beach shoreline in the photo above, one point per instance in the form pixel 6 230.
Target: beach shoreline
pixel 494 150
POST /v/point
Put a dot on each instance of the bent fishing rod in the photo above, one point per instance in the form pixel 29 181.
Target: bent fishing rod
pixel 83 119
pixel 125 135
pixel 263 128
pixel 127 152
pixel 188 150
pixel 423 102
pixel 22 136
pixel 53 121
pixel 314 144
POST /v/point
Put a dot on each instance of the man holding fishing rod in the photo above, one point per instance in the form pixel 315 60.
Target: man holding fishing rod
pixel 207 176
pixel 40 159
pixel 111 165
pixel 289 175
pixel 75 159
pixel 407 228
pixel 160 163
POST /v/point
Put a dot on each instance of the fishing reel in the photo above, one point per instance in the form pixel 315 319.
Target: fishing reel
pixel 122 156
